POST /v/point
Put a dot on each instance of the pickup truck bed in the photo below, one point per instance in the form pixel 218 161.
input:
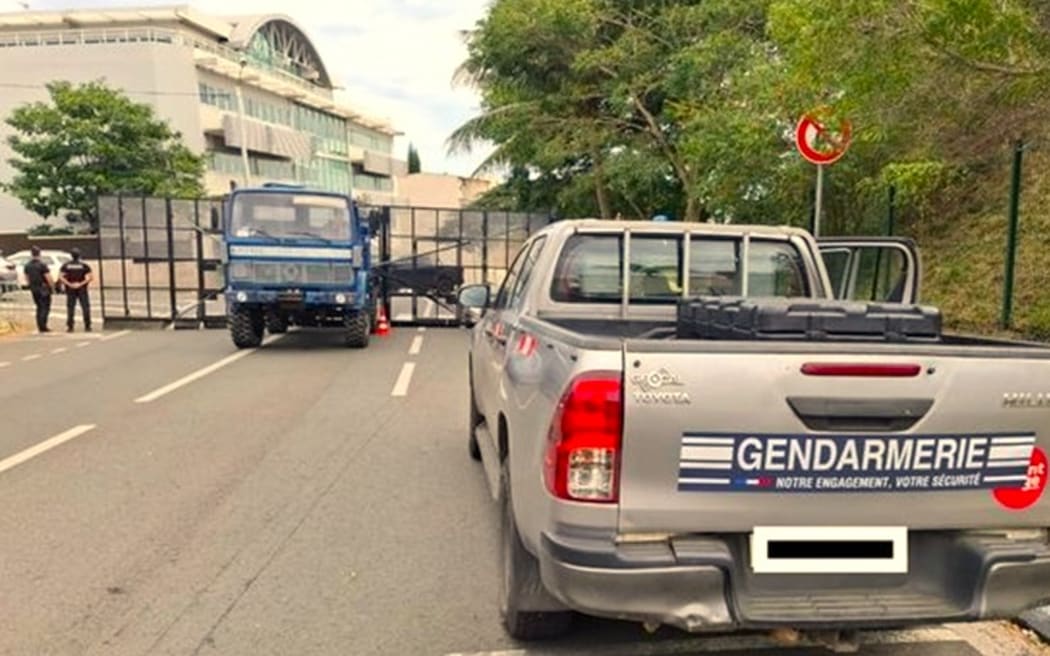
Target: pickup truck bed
pixel 719 484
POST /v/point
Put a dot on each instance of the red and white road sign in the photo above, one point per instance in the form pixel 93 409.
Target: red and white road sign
pixel 821 138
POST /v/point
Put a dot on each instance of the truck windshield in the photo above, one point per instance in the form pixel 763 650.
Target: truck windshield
pixel 283 215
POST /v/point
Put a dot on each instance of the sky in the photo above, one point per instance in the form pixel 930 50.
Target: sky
pixel 395 58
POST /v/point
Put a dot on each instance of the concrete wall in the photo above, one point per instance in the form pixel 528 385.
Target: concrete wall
pixel 158 74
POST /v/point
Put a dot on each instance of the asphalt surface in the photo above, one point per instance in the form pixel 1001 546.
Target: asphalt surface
pixel 164 493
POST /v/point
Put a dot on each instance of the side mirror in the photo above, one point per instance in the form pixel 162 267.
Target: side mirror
pixel 473 300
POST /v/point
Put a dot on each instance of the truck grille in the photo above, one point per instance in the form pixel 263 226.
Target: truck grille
pixel 285 273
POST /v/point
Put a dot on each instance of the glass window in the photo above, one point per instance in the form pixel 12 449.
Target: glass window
pixel 588 270
pixel 881 275
pixel 656 273
pixel 836 261
pixel 714 267
pixel 776 269
pixel 274 215
pixel 510 282
pixel 526 272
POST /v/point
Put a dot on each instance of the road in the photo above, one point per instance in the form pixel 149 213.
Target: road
pixel 166 494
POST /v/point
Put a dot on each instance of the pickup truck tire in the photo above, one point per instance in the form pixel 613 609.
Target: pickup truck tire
pixel 276 324
pixel 475 421
pixel 246 328
pixel 521 577
pixel 358 329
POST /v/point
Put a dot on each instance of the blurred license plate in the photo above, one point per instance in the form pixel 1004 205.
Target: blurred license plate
pixel 829 550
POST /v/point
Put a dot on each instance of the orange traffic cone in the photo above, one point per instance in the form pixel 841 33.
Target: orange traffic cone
pixel 382 324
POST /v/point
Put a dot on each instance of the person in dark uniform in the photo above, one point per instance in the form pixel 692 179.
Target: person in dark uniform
pixel 75 277
pixel 40 285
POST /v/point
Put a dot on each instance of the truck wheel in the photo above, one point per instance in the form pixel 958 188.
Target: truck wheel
pixel 358 329
pixel 246 329
pixel 475 421
pixel 521 572
pixel 276 324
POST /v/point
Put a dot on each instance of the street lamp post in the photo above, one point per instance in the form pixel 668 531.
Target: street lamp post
pixel 243 133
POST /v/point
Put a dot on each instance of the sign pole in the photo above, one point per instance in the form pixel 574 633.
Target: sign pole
pixel 819 203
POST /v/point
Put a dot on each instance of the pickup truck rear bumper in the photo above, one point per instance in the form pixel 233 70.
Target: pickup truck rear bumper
pixel 704 583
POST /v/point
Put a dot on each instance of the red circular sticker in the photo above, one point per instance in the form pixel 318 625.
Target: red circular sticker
pixel 1023 496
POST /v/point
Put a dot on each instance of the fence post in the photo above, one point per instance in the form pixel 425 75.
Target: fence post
pixel 891 210
pixel 1011 236
pixel 169 228
pixel 101 262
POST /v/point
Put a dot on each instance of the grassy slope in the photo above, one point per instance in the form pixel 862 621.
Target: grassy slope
pixel 963 259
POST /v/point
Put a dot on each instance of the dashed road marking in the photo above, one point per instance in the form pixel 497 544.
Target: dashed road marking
pixel 83 344
pixel 403 379
pixel 31 357
pixel 46 445
pixel 4 364
pixel 201 373
pixel 417 345
pixel 115 335
pixel 60 349
pixel 421 329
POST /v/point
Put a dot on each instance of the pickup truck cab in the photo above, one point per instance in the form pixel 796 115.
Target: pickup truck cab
pixel 755 483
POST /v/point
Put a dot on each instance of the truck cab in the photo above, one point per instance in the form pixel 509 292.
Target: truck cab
pixel 295 256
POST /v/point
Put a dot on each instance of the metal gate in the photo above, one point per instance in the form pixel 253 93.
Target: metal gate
pixel 161 259
pixel 425 254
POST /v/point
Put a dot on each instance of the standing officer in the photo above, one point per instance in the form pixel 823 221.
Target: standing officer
pixel 75 277
pixel 39 278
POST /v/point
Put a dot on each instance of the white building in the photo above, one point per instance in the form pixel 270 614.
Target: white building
pixel 189 66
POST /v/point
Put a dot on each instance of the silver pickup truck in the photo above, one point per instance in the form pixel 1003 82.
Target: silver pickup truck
pixel 716 484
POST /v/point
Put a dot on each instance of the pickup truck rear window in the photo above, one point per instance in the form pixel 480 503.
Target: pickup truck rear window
pixel 590 269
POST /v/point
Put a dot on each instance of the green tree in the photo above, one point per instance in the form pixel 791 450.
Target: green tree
pixel 414 165
pixel 91 140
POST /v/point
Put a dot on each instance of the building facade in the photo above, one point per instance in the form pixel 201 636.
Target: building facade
pixel 251 85
pixel 440 190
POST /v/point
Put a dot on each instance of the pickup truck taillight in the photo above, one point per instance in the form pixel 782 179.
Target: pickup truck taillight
pixel 583 451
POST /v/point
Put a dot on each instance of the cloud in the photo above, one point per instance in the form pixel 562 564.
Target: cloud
pixel 394 58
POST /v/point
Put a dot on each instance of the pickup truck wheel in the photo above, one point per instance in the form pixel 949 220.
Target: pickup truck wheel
pixel 276 324
pixel 475 421
pixel 358 328
pixel 521 572
pixel 246 329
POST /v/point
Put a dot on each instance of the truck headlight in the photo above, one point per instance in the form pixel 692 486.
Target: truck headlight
pixel 242 297
pixel 340 298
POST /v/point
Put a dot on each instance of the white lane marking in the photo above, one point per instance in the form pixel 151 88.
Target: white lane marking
pixel 4 364
pixel 403 379
pixel 422 329
pixel 749 644
pixel 83 344
pixel 417 345
pixel 201 373
pixel 61 349
pixel 115 335
pixel 46 445
pixel 35 356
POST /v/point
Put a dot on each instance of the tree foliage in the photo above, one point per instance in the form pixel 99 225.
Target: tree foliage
pixel 687 106
pixel 414 164
pixel 90 140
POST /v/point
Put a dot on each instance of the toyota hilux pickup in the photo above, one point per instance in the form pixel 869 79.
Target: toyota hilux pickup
pixel 750 477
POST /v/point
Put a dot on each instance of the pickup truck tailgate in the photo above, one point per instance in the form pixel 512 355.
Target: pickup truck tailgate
pixel 926 438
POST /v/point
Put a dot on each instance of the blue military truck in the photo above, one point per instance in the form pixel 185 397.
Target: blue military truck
pixel 295 256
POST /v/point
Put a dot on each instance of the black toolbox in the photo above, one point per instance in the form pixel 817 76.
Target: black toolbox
pixel 805 319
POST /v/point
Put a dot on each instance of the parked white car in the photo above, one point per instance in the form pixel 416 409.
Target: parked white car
pixel 53 259
pixel 8 275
